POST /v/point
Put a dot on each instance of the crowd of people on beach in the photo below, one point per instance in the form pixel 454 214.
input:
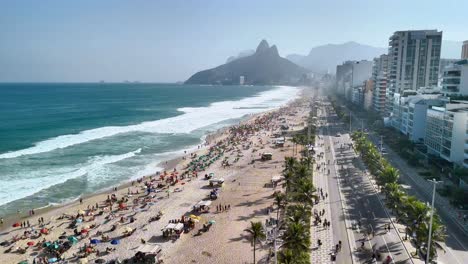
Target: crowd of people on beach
pixel 98 222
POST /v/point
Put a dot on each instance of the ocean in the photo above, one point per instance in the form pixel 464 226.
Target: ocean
pixel 61 141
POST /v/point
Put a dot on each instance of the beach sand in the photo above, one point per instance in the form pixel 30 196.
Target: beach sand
pixel 246 190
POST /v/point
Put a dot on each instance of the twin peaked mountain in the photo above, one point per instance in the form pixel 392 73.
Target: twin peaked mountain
pixel 264 67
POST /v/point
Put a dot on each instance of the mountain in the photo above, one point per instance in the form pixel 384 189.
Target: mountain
pixel 322 59
pixel 264 67
pixel 241 54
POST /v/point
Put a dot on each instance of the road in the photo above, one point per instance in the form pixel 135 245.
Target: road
pixel 354 200
pixel 456 245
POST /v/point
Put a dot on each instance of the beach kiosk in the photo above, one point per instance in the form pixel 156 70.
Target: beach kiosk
pixel 148 253
pixel 202 206
pixel 267 156
pixel 173 228
pixel 279 142
pixel 216 182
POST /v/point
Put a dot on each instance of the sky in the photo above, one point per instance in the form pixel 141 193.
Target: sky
pixel 169 40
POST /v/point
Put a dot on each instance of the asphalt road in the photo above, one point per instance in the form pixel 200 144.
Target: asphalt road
pixel 361 224
pixel 456 245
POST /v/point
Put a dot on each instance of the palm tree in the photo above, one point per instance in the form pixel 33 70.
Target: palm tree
pixel 280 200
pixel 296 237
pixel 290 163
pixel 389 174
pixel 286 256
pixel 257 233
pixel 303 191
pixel 298 213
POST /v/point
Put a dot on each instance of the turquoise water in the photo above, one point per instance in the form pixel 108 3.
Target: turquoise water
pixel 60 141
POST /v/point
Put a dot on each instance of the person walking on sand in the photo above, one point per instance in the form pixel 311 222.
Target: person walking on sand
pixel 81 200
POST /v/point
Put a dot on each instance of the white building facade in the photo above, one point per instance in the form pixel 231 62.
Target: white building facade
pixel 414 58
pixel 447 132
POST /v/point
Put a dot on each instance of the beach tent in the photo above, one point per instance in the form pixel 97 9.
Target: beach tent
pixel 173 226
pixel 149 249
pixel 95 241
pixel 179 227
pixel 115 242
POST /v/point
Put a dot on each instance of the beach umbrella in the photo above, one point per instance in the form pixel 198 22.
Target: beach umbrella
pixel 86 226
pixel 46 244
pixel 81 212
pixel 23 262
pixel 195 220
pixel 128 229
pixel 212 222
pixel 72 239
pixel 30 243
pixel 84 231
pixel 95 241
pixel 16 224
pixel 84 261
pixel 89 250
pixel 44 231
pixel 53 260
pixel 79 220
pixel 115 242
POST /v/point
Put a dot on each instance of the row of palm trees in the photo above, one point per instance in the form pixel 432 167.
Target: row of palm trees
pixel 293 214
pixel 296 203
pixel 410 211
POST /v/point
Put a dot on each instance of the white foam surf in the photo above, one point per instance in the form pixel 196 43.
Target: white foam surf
pixel 37 181
pixel 192 118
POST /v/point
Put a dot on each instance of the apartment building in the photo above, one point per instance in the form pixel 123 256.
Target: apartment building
pixel 455 78
pixel 413 58
pixel 464 54
pixel 409 112
pixel 447 132
pixel 352 74
pixel 379 78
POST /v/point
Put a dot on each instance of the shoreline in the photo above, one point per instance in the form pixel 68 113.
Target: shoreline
pixel 244 188
pixel 12 218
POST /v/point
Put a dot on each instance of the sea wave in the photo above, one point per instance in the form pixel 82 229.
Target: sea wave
pixel 192 118
pixel 24 188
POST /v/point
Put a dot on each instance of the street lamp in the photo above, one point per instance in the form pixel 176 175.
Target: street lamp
pixel 428 253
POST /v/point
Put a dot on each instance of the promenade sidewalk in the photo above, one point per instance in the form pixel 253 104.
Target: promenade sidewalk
pixel 321 254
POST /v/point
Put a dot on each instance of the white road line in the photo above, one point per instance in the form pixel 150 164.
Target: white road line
pixel 388 250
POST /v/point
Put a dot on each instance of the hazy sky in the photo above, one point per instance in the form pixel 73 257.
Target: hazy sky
pixel 168 40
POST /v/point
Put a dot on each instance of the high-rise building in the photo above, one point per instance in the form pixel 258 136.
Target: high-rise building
pixel 379 78
pixel 465 50
pixel 455 78
pixel 446 133
pixel 241 80
pixel 414 58
pixel 352 74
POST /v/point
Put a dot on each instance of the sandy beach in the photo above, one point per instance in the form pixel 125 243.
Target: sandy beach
pixel 124 214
